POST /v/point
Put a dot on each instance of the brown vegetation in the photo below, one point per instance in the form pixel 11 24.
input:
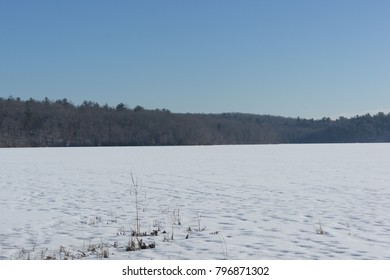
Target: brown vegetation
pixel 33 123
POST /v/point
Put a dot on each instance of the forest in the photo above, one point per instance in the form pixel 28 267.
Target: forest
pixel 59 123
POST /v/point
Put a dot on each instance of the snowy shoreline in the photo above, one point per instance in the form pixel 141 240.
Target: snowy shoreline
pixel 321 201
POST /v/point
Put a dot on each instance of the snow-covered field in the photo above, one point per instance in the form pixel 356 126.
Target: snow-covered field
pixel 235 202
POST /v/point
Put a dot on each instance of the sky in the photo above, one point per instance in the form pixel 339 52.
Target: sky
pixel 306 58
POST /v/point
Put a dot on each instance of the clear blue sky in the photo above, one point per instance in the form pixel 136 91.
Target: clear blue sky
pixel 294 58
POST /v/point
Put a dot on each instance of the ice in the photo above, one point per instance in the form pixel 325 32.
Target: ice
pixel 327 201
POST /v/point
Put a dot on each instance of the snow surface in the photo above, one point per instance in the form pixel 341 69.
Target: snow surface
pixel 249 202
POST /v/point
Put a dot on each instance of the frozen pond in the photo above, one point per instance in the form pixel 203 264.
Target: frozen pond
pixel 204 202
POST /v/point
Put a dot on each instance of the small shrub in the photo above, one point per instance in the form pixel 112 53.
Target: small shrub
pixel 319 229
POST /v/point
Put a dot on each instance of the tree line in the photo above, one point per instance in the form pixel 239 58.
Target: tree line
pixel 48 123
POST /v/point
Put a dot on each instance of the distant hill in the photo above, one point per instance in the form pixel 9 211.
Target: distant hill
pixel 32 123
